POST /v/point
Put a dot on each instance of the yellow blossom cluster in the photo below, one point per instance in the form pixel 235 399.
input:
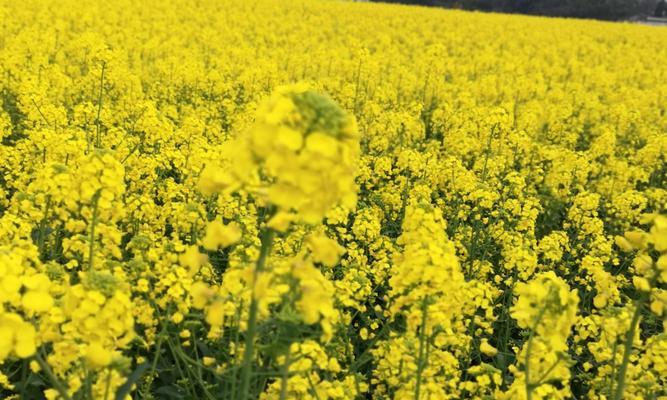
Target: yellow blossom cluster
pixel 329 200
pixel 548 309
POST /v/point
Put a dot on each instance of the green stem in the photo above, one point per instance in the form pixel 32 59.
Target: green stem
pixel 93 222
pixel 88 385
pixel 285 375
pixel 177 363
pixel 487 152
pixel 194 376
pixel 41 240
pixel 158 349
pixel 57 384
pixel 24 377
pixel 613 368
pixel 99 107
pixel 529 347
pixel 422 339
pixel 267 241
pixel 546 373
pixel 629 337
pixel 108 385
pixel 237 340
pixel 313 389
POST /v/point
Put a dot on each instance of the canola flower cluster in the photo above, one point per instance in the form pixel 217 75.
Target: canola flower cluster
pixel 329 200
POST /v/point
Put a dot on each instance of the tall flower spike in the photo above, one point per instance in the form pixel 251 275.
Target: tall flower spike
pixel 305 146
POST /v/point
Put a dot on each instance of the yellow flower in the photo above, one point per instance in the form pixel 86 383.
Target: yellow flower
pixel 34 366
pixel 322 144
pixel 51 394
pixel 487 349
pixel 201 293
pixel 281 221
pixel 193 259
pixel 97 356
pixel 659 234
pixel 600 300
pixel 324 250
pixel 177 317
pixel 643 263
pixel 657 307
pixel 25 338
pixel 290 138
pixel 213 180
pixel 219 235
pixel 623 243
pixel 16 336
pixel 215 313
pixel 641 283
pixel 37 301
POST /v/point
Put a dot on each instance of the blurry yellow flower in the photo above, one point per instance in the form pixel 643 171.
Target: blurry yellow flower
pixel 322 144
pixel 213 180
pixel 193 259
pixel 637 239
pixel 37 301
pixel 201 293
pixel 281 221
pixel 641 283
pixel 97 356
pixel 600 300
pixel 643 263
pixel 51 394
pixel 219 235
pixel 177 317
pixel 325 250
pixel 623 243
pixel 215 313
pixel 487 349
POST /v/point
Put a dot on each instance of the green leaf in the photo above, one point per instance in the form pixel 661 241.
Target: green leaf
pixel 126 387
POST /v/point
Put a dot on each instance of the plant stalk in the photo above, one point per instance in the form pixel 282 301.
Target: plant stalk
pixel 246 371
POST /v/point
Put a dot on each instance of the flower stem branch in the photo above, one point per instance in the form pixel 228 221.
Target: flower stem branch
pixel 267 241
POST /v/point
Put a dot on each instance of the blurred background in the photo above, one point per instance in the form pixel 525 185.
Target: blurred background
pixel 597 9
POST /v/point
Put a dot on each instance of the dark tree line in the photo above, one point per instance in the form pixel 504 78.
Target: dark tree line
pixel 598 9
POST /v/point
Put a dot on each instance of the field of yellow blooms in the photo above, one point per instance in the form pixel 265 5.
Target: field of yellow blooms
pixel 205 199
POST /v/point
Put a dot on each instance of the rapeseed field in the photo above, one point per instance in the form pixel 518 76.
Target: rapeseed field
pixel 257 199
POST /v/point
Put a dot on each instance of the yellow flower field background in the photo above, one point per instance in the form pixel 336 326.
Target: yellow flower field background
pixel 329 200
